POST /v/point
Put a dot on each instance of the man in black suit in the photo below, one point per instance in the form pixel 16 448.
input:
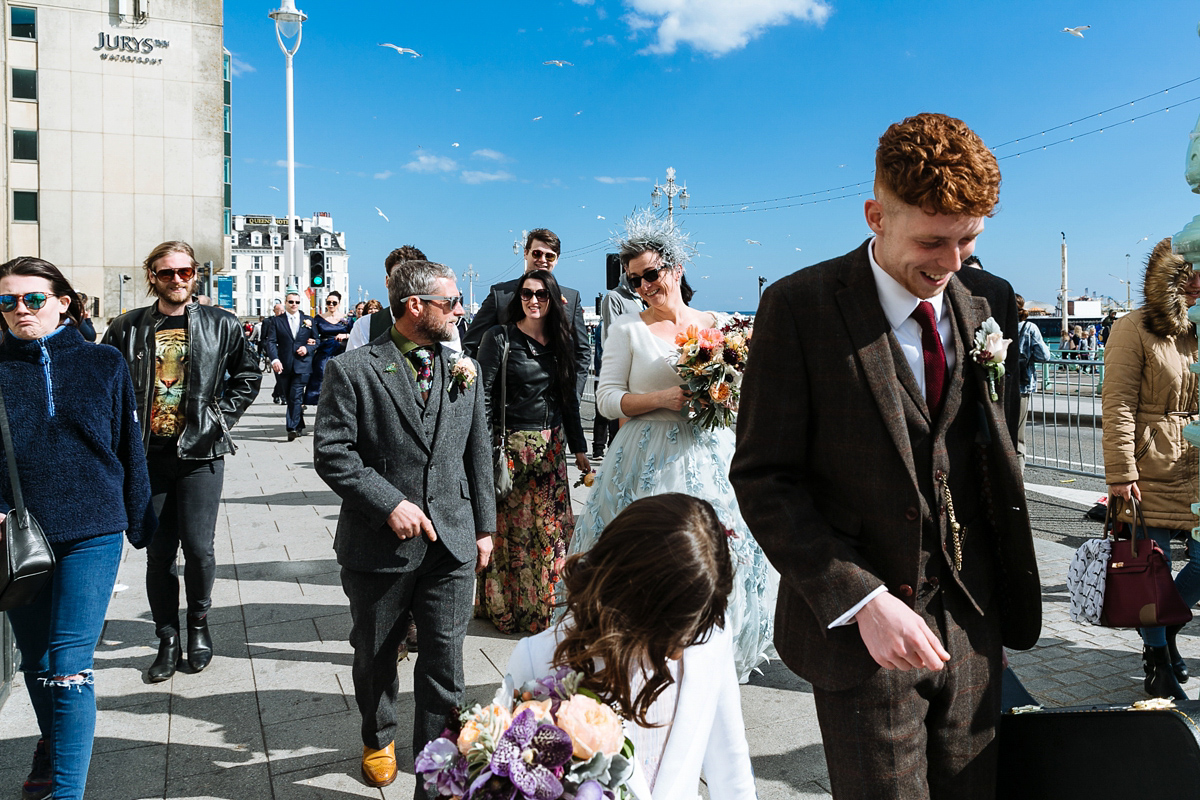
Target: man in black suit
pixel 290 343
pixel 541 252
pixel 878 473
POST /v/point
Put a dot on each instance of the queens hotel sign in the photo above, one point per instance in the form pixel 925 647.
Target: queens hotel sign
pixel 129 48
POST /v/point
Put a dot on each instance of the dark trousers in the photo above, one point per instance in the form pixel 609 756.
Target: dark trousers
pixel 921 734
pixel 438 592
pixel 187 498
pixel 604 430
pixel 293 392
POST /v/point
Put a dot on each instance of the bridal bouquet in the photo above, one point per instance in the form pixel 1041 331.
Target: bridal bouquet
pixel 546 740
pixel 711 362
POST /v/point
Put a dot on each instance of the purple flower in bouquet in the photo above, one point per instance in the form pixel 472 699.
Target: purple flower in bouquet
pixel 443 768
pixel 531 755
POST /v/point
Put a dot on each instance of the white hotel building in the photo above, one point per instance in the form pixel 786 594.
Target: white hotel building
pixel 258 276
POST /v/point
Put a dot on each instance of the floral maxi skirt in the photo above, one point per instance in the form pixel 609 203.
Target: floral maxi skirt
pixel 533 528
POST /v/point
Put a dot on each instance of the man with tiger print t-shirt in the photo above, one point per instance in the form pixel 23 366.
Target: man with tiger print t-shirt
pixel 194 374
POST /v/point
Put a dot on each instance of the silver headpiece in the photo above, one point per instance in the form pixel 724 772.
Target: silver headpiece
pixel 646 231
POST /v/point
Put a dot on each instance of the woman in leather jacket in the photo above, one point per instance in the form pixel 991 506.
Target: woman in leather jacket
pixel 534 523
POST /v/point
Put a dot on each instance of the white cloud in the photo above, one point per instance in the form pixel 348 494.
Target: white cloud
pixel 601 13
pixel 609 179
pixel 607 38
pixel 472 176
pixel 283 163
pixel 383 176
pixel 718 26
pixel 583 2
pixel 491 155
pixel 240 67
pixel 431 163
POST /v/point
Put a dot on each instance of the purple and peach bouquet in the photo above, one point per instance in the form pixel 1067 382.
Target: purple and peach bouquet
pixel 545 740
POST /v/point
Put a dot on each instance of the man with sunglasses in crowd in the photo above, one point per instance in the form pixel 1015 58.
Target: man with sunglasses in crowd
pixel 290 341
pixel 541 252
pixel 194 374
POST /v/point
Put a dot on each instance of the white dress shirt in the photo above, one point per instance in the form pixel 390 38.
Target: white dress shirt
pixel 294 323
pixel 898 305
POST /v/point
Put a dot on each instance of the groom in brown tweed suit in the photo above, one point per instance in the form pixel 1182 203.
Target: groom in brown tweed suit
pixel 879 475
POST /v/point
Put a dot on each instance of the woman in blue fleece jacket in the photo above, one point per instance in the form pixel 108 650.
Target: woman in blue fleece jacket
pixel 83 474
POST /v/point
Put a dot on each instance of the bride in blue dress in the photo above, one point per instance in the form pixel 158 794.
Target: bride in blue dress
pixel 657 450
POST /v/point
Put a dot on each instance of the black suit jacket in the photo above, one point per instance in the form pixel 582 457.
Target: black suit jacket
pixel 279 344
pixel 825 472
pixel 494 311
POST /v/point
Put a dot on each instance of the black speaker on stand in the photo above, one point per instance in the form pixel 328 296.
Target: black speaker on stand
pixel 613 270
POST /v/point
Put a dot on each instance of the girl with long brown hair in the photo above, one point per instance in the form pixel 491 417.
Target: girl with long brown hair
pixel 646 628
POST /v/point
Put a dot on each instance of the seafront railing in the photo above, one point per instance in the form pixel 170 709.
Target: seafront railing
pixel 1063 430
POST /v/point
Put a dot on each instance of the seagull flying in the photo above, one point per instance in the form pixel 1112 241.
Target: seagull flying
pixel 276 188
pixel 798 250
pixel 754 241
pixel 577 113
pixel 401 50
pixel 454 145
pixel 557 64
pixel 535 119
pixel 1076 31
pixel 599 217
pixel 385 216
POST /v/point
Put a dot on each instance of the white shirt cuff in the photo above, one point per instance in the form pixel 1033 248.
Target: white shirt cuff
pixel 848 617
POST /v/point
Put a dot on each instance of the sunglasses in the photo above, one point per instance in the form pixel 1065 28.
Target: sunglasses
pixel 649 276
pixel 440 298
pixel 546 254
pixel 331 302
pixel 541 294
pixel 184 274
pixel 293 302
pixel 34 301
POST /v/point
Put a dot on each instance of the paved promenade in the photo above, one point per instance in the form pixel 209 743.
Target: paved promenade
pixel 274 717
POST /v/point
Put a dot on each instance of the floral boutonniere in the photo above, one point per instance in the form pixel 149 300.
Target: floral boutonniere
pixel 991 348
pixel 462 374
pixel 390 368
pixel 307 323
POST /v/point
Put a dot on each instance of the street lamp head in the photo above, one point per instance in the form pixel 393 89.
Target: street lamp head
pixel 288 21
pixel 683 197
pixel 655 195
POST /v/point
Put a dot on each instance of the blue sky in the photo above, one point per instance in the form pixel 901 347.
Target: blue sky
pixel 749 100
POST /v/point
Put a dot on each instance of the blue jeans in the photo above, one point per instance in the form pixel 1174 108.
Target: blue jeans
pixel 1187 581
pixel 57 635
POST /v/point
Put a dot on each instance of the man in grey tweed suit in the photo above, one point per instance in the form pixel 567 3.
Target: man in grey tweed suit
pixel 405 444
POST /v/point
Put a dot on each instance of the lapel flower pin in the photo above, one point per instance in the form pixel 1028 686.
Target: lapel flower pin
pixel 462 374
pixel 991 348
pixel 390 367
pixel 306 323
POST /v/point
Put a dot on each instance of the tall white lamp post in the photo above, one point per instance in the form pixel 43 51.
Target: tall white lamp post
pixel 670 189
pixel 288 21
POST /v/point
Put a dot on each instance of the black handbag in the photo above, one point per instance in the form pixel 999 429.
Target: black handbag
pixel 503 468
pixel 26 560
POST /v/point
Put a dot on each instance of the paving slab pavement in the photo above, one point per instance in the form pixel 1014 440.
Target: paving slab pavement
pixel 273 716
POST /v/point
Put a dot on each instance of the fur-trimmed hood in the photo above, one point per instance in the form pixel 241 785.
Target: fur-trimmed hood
pixel 1165 309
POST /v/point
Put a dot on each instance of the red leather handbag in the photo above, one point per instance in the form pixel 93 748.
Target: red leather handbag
pixel 1139 591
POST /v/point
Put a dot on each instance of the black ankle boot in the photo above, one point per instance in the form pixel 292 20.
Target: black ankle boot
pixel 200 650
pixel 1160 678
pixel 167 662
pixel 1177 663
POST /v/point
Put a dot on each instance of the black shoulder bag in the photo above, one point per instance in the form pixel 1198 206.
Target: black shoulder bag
pixel 26 560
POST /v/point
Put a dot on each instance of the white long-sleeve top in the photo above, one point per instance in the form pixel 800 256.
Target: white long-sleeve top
pixel 635 361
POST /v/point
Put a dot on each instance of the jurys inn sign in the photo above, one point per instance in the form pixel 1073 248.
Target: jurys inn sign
pixel 129 48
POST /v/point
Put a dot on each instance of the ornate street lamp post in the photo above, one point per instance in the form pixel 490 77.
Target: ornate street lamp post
pixel 670 190
pixel 288 24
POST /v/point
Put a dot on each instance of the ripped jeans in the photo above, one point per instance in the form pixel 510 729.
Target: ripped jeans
pixel 57 635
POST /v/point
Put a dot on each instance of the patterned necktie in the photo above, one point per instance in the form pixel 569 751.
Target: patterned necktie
pixel 934 356
pixel 422 359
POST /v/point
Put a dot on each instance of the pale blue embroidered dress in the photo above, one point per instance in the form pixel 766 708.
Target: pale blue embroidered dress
pixel 661 452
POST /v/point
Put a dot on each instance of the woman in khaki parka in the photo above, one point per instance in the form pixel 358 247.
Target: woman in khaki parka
pixel 1150 394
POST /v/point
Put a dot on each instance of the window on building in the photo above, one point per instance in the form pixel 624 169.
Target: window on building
pixel 258 283
pixel 228 119
pixel 229 227
pixel 24 23
pixel 257 263
pixel 278 259
pixel 25 207
pixel 324 241
pixel 25 145
pixel 24 84
pixel 276 241
pixel 255 239
pixel 258 307
pixel 233 283
pixel 226 66
pixel 228 169
pixel 277 277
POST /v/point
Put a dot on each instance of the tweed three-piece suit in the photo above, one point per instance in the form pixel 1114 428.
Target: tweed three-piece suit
pixel 378 443
pixel 842 474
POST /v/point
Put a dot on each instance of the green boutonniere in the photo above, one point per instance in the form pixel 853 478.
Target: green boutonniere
pixel 390 367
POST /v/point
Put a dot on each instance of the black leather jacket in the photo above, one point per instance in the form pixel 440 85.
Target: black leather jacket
pixel 534 400
pixel 222 379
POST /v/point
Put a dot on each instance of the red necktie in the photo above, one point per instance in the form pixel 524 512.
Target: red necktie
pixel 933 355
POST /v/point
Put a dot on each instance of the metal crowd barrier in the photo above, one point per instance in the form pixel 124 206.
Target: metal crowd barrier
pixel 1063 430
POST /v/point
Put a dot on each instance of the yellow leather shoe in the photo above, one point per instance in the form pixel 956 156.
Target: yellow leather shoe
pixel 379 766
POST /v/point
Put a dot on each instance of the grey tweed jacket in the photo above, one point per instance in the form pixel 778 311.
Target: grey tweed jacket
pixel 376 444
